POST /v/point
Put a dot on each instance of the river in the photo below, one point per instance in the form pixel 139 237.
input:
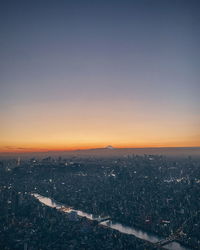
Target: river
pixel 110 224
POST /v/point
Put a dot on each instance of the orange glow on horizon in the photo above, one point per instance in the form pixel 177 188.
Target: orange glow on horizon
pixel 43 127
pixel 85 147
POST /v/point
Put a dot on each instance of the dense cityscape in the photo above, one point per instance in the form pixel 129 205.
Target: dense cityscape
pixel 100 118
pixel 154 194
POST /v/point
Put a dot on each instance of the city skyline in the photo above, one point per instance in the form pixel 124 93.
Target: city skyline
pixel 77 75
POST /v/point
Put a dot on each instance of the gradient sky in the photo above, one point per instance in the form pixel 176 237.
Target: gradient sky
pixel 81 74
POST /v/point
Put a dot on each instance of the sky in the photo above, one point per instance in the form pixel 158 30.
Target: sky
pixel 83 74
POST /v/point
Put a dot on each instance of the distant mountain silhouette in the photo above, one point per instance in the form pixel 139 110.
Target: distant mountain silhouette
pixel 110 151
pixel 109 147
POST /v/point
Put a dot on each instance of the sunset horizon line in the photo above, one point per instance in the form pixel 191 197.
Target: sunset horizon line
pixel 38 150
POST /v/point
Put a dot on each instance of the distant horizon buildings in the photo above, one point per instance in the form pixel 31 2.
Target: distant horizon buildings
pixel 47 155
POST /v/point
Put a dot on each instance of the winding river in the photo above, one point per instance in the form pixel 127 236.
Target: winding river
pixel 153 238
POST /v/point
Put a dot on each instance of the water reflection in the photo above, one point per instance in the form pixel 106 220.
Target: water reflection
pixel 110 224
pixel 129 230
pixel 50 203
pixel 47 201
pixel 175 245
